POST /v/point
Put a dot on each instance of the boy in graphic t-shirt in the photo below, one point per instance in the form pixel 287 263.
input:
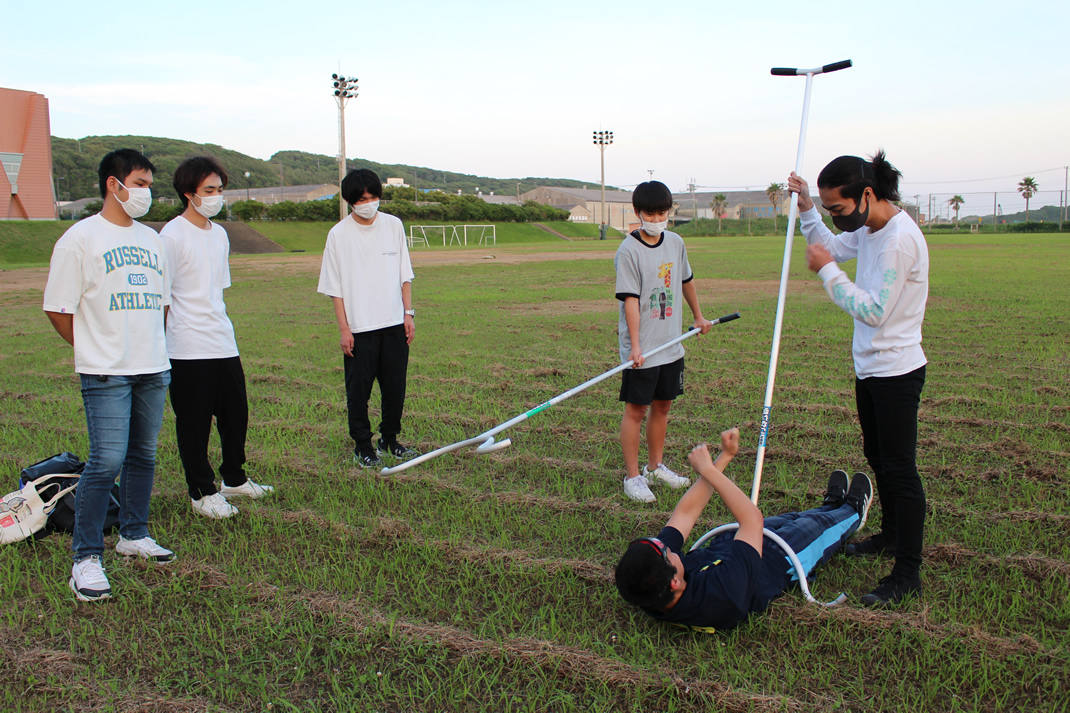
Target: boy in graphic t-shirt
pixel 368 276
pixel 206 372
pixel 716 588
pixel 106 296
pixel 652 274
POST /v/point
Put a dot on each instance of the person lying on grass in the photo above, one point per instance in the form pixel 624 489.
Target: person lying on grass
pixel 718 586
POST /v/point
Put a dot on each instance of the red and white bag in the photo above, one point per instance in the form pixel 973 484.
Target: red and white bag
pixel 23 512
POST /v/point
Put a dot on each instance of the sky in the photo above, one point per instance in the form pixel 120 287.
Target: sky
pixel 965 97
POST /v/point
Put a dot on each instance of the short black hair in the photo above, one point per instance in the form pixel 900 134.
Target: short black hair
pixel 191 173
pixel 120 163
pixel 359 181
pixel 643 577
pixel 852 175
pixel 652 197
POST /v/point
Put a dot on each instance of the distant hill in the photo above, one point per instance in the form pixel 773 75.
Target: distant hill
pixel 75 161
pixel 1047 213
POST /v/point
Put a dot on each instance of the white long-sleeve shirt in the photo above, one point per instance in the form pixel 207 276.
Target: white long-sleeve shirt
pixel 887 298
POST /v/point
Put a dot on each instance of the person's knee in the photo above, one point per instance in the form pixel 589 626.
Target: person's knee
pixel 634 412
pixel 660 408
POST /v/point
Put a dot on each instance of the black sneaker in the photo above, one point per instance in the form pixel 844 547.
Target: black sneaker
pixel 859 496
pixel 892 591
pixel 367 458
pixel 394 450
pixel 875 546
pixel 836 492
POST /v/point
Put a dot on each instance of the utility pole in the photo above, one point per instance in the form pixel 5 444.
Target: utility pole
pixel 344 90
pixel 602 139
pixel 1066 185
pixel 650 172
pixel 995 204
pixel 917 209
pixel 694 210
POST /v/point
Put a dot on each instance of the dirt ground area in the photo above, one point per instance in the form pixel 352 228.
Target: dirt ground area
pixel 33 278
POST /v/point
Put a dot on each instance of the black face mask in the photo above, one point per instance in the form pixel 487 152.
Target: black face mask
pixel 852 221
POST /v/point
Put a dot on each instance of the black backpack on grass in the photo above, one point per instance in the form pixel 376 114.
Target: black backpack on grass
pixel 62 518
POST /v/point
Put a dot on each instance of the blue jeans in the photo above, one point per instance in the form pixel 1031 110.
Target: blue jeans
pixel 815 535
pixel 123 415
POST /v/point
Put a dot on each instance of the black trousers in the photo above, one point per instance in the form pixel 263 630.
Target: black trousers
pixel 383 355
pixel 888 412
pixel 201 389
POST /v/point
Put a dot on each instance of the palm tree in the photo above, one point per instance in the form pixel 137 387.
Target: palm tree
pixel 719 204
pixel 775 191
pixel 1028 188
pixel 956 202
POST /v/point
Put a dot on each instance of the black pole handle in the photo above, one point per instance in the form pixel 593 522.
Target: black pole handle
pixel 836 66
pixel 728 318
pixel 793 71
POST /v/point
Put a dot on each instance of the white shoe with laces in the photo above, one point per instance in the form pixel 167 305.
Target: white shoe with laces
pixel 214 506
pixel 145 548
pixel 88 581
pixel 666 476
pixel 248 489
pixel 638 488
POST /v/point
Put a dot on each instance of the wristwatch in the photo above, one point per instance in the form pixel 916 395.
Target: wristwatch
pixel 410 312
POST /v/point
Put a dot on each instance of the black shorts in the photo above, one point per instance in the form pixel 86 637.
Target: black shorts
pixel 658 383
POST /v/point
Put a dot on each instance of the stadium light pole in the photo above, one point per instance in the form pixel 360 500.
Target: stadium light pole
pixel 345 88
pixel 602 139
pixel 282 181
pixel 247 174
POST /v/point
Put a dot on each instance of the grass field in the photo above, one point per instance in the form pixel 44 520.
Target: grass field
pixel 483 583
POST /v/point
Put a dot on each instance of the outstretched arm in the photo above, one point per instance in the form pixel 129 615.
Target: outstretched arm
pixel 714 480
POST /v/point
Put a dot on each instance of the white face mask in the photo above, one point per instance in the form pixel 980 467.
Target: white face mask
pixel 210 205
pixel 366 210
pixel 138 203
pixel 654 230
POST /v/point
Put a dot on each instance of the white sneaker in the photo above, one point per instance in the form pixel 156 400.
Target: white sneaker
pixel 145 548
pixel 248 489
pixel 666 476
pixel 638 488
pixel 214 506
pixel 88 581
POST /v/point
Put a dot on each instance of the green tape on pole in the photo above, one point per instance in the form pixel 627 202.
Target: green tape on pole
pixel 535 410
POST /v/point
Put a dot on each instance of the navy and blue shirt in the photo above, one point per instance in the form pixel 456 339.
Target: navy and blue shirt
pixel 723 583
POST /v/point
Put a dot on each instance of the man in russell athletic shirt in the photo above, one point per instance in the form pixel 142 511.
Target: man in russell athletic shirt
pixel 368 276
pixel 106 296
pixel 206 373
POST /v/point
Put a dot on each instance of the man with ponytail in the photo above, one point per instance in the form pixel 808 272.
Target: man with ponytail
pixel 887 303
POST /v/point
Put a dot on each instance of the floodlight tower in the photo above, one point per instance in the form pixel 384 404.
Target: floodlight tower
pixel 345 88
pixel 603 139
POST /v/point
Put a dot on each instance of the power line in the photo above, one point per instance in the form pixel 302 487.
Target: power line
pixel 978 180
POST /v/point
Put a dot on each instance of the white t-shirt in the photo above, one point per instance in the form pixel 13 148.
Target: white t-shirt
pixel 114 281
pixel 887 299
pixel 366 265
pixel 197 323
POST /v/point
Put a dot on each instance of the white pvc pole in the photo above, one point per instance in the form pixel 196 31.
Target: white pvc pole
pixel 774 354
pixel 486 440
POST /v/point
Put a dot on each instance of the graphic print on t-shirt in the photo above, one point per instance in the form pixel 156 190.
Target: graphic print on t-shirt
pixel 661 298
pixel 133 256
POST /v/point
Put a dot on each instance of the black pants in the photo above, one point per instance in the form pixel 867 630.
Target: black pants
pixel 200 389
pixel 888 412
pixel 381 354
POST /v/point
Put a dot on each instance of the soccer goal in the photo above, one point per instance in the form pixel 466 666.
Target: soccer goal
pixel 487 234
pixel 426 232
pixel 422 234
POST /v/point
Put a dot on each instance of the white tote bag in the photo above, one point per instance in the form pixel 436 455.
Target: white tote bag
pixel 23 512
